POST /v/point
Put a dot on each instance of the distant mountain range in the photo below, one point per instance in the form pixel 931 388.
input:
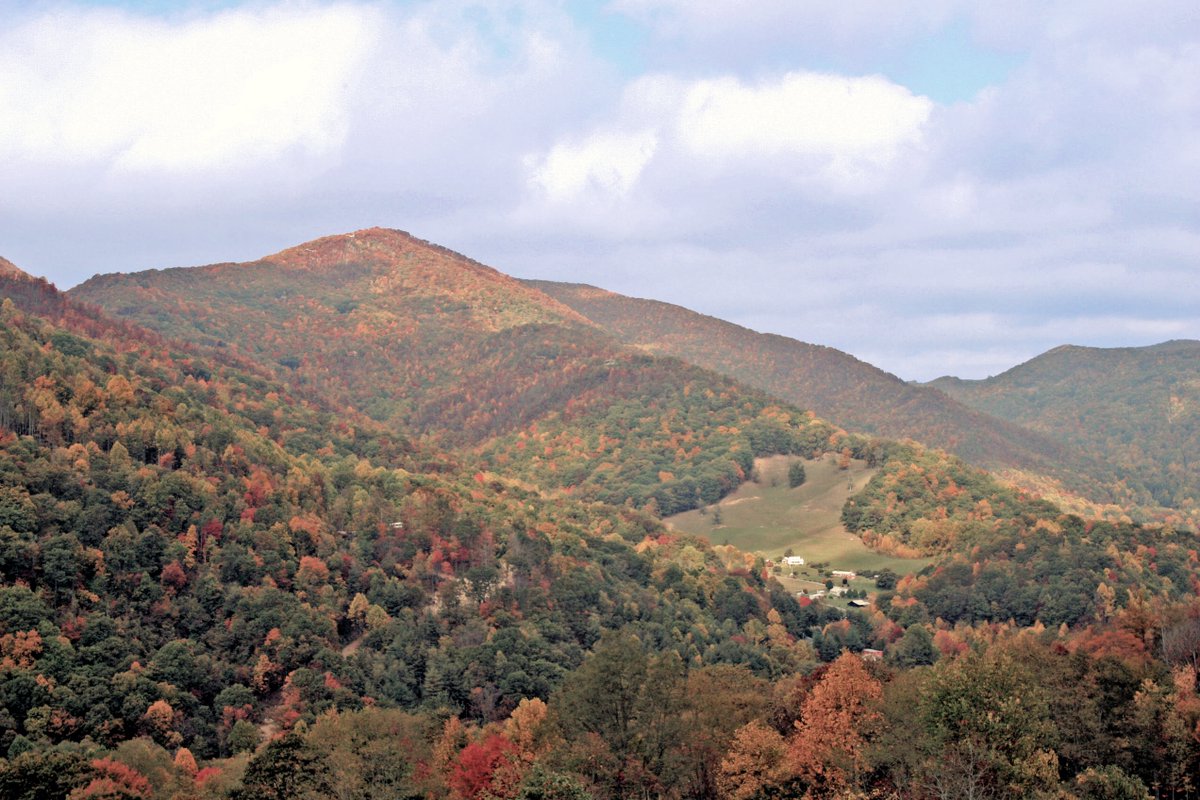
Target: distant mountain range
pixel 833 384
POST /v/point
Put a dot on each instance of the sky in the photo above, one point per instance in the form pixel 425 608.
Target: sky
pixel 935 186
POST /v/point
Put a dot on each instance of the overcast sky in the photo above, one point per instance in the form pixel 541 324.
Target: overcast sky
pixel 937 187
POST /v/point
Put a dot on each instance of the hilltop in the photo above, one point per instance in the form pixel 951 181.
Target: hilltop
pixel 10 270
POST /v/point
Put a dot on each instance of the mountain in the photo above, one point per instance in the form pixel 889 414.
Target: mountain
pixel 834 385
pixel 428 341
pixel 341 313
pixel 193 554
pixel 1138 408
pixel 220 579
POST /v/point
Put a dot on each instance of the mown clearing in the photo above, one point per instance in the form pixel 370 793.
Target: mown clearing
pixel 767 517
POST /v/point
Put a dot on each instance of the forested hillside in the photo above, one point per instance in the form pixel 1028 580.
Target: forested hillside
pixel 426 340
pixel 1009 555
pixel 832 384
pixel 192 556
pixel 247 566
pixel 1136 407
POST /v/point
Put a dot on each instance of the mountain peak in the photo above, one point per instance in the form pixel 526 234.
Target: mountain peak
pixel 396 262
pixel 369 244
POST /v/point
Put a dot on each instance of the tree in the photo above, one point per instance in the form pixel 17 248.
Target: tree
pixel 1181 646
pixel 113 780
pixel 1109 783
pixel 601 697
pixel 755 765
pixel 286 769
pixel 543 784
pixel 49 775
pixel 243 737
pixel 621 711
pixel 915 648
pixel 836 720
pixel 796 474
pixel 372 753
pixel 886 579
pixel 984 729
pixel 185 762
pixel 718 701
pixel 471 775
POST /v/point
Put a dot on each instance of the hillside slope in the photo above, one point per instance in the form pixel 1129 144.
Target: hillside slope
pixel 833 384
pixel 186 547
pixel 426 340
pixel 192 554
pixel 1136 407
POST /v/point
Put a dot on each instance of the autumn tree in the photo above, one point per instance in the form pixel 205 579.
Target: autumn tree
pixel 756 764
pixel 836 720
pixel 472 775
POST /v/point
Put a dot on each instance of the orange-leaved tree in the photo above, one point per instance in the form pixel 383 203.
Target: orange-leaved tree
pixel 836 721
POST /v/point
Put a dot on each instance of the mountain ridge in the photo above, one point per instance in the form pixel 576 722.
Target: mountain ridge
pixel 1068 351
pixel 834 385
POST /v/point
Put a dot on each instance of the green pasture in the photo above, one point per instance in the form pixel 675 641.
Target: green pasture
pixel 767 517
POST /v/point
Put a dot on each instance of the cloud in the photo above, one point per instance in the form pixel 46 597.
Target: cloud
pixel 603 163
pixel 842 131
pixel 801 113
pixel 145 94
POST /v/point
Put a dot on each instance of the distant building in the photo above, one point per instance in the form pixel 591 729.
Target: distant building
pixel 793 561
pixel 843 573
pixel 858 603
pixel 838 591
pixel 871 654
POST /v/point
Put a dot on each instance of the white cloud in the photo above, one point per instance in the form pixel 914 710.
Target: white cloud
pixel 802 113
pixel 189 94
pixel 605 163
pixel 843 131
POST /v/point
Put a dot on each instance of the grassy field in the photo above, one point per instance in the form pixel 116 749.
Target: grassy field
pixel 768 518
